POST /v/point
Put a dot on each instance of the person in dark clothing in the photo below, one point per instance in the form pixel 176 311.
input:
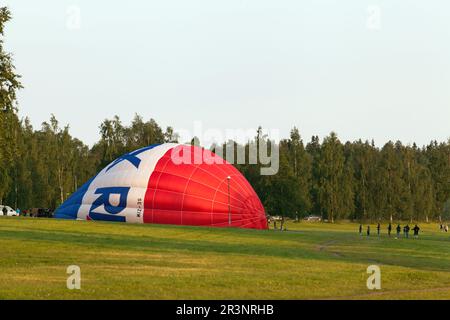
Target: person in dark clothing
pixel 398 231
pixel 378 229
pixel 441 227
pixel 368 230
pixel 389 229
pixel 360 229
pixel 416 231
pixel 407 231
pixel 5 211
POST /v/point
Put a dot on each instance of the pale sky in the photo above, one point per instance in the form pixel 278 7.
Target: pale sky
pixel 365 69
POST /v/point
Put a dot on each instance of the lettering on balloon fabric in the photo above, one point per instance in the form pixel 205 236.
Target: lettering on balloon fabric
pixel 104 200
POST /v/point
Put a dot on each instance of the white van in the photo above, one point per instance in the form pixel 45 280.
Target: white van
pixel 10 211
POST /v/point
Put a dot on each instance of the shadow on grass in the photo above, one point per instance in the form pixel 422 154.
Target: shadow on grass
pixel 310 238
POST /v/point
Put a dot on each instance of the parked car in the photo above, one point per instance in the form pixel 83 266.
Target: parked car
pixel 313 218
pixel 10 211
pixel 41 213
pixel 275 218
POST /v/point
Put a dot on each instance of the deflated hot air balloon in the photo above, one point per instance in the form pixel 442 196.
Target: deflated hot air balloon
pixel 169 184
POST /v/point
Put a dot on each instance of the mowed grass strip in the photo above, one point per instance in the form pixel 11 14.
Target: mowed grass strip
pixel 124 261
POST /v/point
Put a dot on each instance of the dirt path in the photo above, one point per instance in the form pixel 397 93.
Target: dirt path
pixel 322 247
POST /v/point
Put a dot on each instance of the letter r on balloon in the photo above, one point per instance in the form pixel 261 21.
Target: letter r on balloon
pixel 104 200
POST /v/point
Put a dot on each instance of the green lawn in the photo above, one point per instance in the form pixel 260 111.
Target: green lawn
pixel 124 261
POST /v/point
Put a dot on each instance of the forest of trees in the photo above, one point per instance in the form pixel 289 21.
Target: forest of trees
pixel 41 167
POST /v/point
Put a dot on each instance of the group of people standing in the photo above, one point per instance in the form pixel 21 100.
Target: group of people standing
pixel 406 230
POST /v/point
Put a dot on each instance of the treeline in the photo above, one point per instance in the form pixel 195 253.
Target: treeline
pixel 356 180
pixel 41 168
pixel 352 180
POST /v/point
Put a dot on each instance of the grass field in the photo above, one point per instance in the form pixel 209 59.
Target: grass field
pixel 124 261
